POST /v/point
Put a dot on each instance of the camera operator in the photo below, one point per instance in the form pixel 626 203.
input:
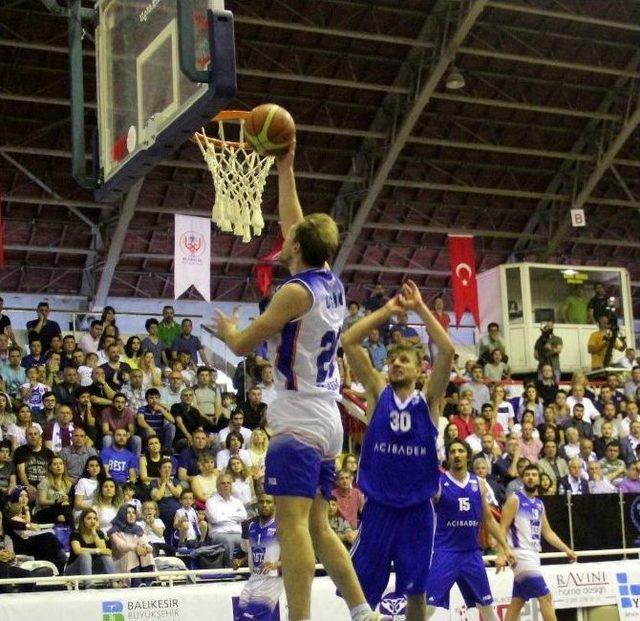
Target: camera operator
pixel 547 350
pixel 604 339
pixel 597 305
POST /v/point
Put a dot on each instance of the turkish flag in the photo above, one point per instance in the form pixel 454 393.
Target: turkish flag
pixel 463 277
pixel 264 269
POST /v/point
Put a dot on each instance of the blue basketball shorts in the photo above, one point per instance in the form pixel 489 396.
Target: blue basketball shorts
pixel 465 569
pixel 402 536
pixel 529 587
pixel 295 468
pixel 255 611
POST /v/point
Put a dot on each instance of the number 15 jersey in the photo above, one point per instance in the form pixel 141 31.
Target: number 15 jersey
pixel 398 463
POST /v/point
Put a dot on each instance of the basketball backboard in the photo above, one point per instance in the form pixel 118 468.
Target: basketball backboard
pixel 165 68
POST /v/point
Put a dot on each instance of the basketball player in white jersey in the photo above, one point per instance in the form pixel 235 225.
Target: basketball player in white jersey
pixel 302 325
pixel 524 521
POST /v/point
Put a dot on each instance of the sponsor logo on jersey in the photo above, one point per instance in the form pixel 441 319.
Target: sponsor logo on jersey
pixel 394 605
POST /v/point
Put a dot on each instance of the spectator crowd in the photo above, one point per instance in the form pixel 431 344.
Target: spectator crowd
pixel 115 453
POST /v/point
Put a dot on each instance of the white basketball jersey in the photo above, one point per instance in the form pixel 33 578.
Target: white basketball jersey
pixel 526 529
pixel 304 353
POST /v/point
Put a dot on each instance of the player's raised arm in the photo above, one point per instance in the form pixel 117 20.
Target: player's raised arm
pixel 289 303
pixel 289 209
pixel 358 357
pixel 552 539
pixel 441 370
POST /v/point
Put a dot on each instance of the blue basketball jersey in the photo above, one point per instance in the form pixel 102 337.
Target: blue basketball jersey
pixel 263 543
pixel 458 514
pixel 398 463
pixel 305 350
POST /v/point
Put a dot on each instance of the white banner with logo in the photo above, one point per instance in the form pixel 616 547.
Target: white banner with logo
pixel 192 255
pixel 581 585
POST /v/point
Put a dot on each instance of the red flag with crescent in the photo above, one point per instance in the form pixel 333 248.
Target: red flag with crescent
pixel 463 277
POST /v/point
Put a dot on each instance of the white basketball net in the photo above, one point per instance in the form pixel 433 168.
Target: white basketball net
pixel 239 176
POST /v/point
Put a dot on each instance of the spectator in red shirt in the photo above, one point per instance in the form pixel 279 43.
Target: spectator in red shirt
pixel 489 414
pixel 463 420
pixel 350 500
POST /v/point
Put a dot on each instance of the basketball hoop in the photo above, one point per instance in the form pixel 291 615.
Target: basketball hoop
pixel 239 176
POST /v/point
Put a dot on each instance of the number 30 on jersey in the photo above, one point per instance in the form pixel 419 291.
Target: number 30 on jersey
pixel 400 421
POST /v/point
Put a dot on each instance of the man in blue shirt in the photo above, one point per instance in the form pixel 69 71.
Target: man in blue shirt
pixel 120 463
pixel 188 458
pixel 36 356
pixel 154 419
pixel 42 327
pixel 185 341
pixel 13 373
pixel 376 349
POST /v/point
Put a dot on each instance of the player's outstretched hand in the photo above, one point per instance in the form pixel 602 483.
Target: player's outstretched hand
pixel 411 295
pixel 572 556
pixel 223 325
pixel 285 161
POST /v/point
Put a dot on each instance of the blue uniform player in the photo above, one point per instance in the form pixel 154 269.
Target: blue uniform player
pixel 398 470
pixel 524 520
pixel 461 509
pixel 302 325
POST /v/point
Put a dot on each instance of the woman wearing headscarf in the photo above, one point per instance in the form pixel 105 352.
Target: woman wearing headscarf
pixel 132 551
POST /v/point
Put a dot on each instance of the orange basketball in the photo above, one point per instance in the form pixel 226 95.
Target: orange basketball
pixel 270 129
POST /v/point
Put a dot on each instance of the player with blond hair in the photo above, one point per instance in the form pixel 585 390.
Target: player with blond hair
pixel 302 326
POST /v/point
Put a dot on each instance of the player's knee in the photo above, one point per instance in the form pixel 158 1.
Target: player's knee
pixel 319 529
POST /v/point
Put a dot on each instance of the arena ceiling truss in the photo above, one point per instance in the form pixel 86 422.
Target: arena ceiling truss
pixel 547 120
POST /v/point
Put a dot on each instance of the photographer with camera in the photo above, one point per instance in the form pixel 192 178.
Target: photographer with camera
pixel 547 350
pixel 597 305
pixel 603 341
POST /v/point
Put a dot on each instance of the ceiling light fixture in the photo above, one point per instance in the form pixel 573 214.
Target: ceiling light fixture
pixel 455 80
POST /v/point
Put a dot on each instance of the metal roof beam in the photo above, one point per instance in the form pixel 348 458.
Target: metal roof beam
pixel 518 7
pixel 594 178
pixel 332 32
pixel 446 230
pixel 408 123
pixel 398 90
pixel 49 249
pixel 395 183
pixel 526 107
pixel 116 244
pixel 385 269
pixel 548 62
pixel 578 147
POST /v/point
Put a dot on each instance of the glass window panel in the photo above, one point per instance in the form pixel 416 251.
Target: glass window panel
pixel 514 294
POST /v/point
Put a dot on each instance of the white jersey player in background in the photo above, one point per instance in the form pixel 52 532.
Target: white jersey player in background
pixel 302 325
pixel 262 591
pixel 524 521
